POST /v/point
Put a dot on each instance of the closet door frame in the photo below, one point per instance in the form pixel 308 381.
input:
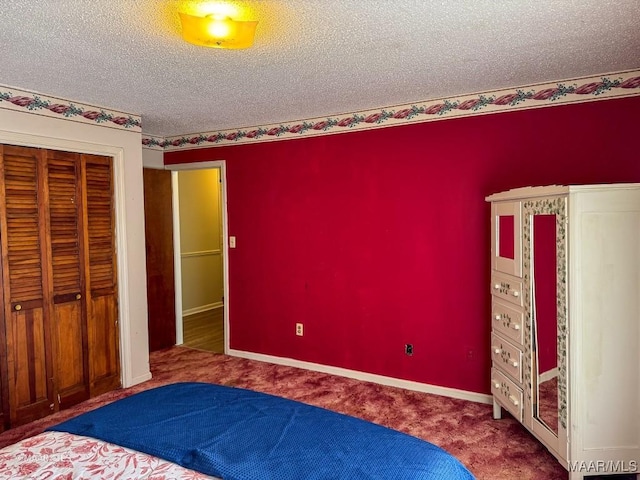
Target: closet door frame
pixel 117 154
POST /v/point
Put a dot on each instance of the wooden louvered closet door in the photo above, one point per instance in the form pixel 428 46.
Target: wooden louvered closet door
pixel 69 325
pixel 102 285
pixel 30 378
pixel 58 281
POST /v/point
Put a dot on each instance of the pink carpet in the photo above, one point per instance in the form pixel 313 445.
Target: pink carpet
pixel 491 449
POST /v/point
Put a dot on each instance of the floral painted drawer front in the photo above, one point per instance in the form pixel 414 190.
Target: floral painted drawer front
pixel 507 288
pixel 507 320
pixel 57 455
pixel 506 357
pixel 507 393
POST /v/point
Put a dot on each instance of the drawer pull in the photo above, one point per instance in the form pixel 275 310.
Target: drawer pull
pixel 18 307
pixel 513 363
pixel 514 400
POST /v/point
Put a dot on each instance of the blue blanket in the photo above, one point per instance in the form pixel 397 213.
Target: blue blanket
pixel 238 434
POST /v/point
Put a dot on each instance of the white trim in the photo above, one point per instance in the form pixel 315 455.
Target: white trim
pixel 367 377
pixel 548 375
pixel 220 164
pixel 202 308
pixel 140 379
pixel 121 258
pixel 177 260
pixel 117 153
pixel 201 253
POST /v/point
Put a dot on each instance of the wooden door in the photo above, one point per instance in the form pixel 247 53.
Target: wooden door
pixel 101 285
pixel 69 325
pixel 158 220
pixel 27 315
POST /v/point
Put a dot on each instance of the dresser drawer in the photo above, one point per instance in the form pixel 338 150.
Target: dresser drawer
pixel 506 287
pixel 508 320
pixel 506 357
pixel 506 393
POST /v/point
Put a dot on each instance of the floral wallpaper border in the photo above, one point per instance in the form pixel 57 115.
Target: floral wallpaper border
pixel 543 95
pixel 22 100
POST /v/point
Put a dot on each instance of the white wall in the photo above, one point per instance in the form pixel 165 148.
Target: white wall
pixel 152 158
pixel 21 128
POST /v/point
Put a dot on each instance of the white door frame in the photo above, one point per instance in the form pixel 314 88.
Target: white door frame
pixel 220 165
pixel 117 154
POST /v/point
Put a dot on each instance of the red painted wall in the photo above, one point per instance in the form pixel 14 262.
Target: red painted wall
pixel 379 238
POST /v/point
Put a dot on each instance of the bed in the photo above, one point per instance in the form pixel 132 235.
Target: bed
pixel 198 430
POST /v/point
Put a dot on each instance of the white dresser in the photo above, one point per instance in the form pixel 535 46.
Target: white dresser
pixel 565 309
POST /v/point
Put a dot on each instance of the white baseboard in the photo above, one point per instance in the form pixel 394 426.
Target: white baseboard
pixel 548 375
pixel 138 379
pixel 367 377
pixel 202 308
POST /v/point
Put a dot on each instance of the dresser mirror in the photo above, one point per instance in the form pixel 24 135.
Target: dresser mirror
pixel 507 243
pixel 544 290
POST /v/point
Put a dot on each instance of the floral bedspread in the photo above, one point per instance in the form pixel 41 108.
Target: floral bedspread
pixel 63 456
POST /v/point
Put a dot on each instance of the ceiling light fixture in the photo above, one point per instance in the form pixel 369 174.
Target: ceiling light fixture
pixel 217 31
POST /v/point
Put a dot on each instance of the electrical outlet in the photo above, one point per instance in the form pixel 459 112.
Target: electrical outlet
pixel 408 349
pixel 299 329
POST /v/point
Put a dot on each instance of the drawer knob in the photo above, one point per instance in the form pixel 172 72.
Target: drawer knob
pixel 514 363
pixel 498 317
pixel 496 384
pixel 496 286
pixel 78 296
pixel 515 293
pixel 514 400
pixel 496 350
pixel 515 326
pixel 18 307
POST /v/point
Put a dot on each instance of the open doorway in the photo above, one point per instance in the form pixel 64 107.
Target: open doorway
pixel 200 259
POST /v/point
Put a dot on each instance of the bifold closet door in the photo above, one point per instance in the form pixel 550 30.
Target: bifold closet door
pixel 104 361
pixel 59 321
pixel 69 325
pixel 30 374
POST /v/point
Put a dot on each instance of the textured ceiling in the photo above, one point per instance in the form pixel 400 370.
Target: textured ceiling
pixel 311 58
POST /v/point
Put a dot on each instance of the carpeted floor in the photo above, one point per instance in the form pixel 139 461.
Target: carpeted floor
pixel 491 449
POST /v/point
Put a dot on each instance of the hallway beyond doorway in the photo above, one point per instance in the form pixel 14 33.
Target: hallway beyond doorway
pixel 205 330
